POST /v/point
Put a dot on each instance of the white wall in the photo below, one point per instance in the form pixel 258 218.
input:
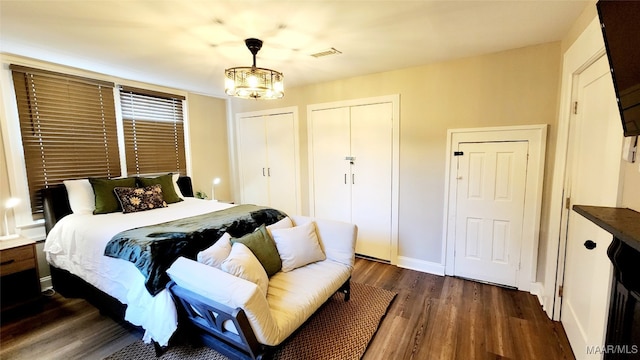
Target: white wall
pixel 515 87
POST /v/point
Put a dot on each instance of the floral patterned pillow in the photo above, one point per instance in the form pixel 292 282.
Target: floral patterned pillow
pixel 140 199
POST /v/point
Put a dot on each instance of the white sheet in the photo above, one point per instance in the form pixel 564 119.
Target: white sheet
pixel 76 243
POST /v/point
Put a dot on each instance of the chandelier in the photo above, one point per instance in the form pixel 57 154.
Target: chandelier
pixel 253 82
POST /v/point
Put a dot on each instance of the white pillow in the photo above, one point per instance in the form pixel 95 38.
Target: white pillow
pixel 298 246
pixel 282 224
pixel 175 177
pixel 81 197
pixel 243 264
pixel 215 254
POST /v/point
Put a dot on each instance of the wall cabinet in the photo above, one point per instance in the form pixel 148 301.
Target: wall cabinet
pixel 268 161
pixel 351 159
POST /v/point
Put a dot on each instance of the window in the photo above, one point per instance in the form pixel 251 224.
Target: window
pixel 153 132
pixel 68 128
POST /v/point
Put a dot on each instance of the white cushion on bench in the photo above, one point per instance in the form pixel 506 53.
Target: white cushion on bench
pixel 292 297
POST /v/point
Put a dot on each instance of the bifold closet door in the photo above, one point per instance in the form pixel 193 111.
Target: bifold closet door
pixel 352 164
pixel 371 148
pixel 253 161
pixel 331 172
pixel 281 162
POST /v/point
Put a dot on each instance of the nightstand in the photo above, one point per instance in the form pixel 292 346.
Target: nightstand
pixel 19 279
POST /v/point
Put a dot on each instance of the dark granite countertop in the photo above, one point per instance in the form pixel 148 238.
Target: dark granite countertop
pixel 622 223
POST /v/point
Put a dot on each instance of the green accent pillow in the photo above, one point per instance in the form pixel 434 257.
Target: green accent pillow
pixel 106 200
pixel 263 247
pixel 166 181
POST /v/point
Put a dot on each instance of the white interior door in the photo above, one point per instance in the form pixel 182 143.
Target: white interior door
pixel 282 163
pixel 253 161
pixel 596 141
pixel 331 172
pixel 489 210
pixel 371 143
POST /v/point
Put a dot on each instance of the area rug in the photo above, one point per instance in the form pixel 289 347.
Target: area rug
pixel 338 330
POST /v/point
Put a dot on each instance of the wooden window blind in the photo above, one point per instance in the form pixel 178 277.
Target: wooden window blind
pixel 153 132
pixel 68 128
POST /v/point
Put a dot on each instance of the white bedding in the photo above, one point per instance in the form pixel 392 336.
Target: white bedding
pixel 77 242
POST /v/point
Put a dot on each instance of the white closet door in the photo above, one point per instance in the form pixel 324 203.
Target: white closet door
pixel 253 161
pixel 371 145
pixel 281 167
pixel 331 173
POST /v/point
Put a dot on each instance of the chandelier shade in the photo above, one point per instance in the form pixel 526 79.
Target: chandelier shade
pixel 252 82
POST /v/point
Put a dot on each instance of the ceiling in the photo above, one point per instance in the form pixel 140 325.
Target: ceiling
pixel 188 44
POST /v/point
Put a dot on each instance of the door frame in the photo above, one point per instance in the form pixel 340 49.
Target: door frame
pixel 536 136
pixel 586 50
pixel 394 99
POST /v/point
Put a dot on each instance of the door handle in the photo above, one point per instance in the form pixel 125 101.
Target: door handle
pixel 262 171
pixel 268 171
pixel 345 178
pixel 590 245
pixel 353 179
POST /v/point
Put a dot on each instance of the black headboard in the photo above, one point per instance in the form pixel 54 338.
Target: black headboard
pixel 55 201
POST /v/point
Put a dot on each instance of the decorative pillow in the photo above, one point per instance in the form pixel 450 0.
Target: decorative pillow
pixel 140 199
pixel 168 188
pixel 105 199
pixel 175 177
pixel 282 224
pixel 81 197
pixel 298 246
pixel 242 263
pixel 263 247
pixel 215 254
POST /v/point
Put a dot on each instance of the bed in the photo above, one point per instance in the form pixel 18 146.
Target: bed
pixel 75 248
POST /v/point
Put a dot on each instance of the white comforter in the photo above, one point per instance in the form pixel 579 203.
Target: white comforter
pixel 77 242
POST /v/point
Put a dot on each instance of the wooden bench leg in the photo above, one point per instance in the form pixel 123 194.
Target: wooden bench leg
pixel 346 289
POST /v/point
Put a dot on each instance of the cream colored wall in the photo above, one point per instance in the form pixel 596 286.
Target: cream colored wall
pixel 209 153
pixel 631 175
pixel 209 145
pixel 574 32
pixel 4 181
pixel 578 26
pixel 631 178
pixel 631 185
pixel 5 193
pixel 514 87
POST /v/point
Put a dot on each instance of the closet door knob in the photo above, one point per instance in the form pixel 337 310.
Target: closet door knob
pixel 590 245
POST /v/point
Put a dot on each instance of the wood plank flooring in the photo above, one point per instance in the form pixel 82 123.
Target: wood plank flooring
pixel 432 317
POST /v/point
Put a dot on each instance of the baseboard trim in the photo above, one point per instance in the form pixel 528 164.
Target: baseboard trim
pixel 537 289
pixel 420 265
pixel 45 283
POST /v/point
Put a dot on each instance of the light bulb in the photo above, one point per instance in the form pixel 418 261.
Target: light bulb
pixel 252 80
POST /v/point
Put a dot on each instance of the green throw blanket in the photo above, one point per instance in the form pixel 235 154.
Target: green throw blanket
pixel 152 249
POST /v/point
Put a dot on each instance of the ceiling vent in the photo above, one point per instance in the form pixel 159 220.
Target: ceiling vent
pixel 331 51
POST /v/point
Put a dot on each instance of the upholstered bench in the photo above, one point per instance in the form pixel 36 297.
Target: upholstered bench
pixel 237 316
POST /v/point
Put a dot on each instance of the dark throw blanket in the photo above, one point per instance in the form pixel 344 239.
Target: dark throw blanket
pixel 152 249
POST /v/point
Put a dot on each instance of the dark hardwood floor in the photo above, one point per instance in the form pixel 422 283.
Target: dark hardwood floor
pixel 432 317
